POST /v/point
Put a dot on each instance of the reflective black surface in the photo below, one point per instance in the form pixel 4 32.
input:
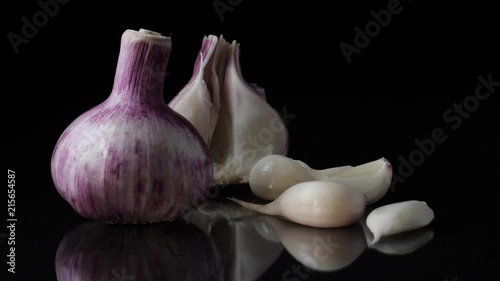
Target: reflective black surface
pixel 412 79
pixel 222 241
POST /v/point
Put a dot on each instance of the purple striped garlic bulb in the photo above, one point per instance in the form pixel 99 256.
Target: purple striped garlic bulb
pixel 131 159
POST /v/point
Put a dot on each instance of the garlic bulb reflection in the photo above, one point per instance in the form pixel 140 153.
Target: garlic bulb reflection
pixel 247 127
pixel 274 174
pixel 96 251
pixel 131 159
pixel 245 254
pixel 318 248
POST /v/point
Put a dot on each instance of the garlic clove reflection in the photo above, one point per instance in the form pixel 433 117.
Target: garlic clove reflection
pixel 404 243
pixel 212 212
pixel 320 249
pixel 398 217
pixel 245 254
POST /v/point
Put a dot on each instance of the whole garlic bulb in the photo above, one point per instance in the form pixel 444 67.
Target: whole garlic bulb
pixel 132 159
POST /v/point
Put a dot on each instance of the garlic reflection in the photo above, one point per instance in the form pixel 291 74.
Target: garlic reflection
pixel 245 254
pixel 321 249
pixel 398 217
pixel 398 244
pixel 96 251
pixel 404 243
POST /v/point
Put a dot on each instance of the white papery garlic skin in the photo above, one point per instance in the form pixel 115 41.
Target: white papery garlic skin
pixel 398 217
pixel 197 101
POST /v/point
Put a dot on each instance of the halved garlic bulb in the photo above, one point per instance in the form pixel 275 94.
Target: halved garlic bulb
pixel 233 116
pixel 197 101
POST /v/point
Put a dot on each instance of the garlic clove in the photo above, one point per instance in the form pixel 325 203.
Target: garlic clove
pixel 372 178
pixel 196 102
pixel 315 203
pixel 398 217
pixel 397 244
pixel 273 174
pixel 321 249
pixel 248 128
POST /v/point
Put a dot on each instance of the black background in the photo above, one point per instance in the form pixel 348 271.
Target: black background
pixel 394 91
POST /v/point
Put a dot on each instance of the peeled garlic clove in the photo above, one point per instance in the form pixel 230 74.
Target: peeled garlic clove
pixel 248 128
pixel 404 243
pixel 315 203
pixel 321 249
pixel 274 174
pixel 373 178
pixel 196 101
pixel 398 217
